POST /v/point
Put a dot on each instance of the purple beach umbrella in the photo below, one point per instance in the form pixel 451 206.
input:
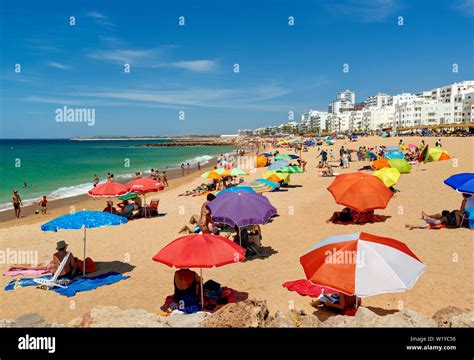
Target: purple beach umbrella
pixel 241 208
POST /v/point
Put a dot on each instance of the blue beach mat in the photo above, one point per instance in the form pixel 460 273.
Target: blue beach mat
pixel 79 285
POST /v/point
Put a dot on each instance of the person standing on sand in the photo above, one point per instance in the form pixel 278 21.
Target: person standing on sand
pixel 182 169
pixel 95 181
pixel 188 168
pixel 165 179
pixel 43 203
pixel 17 203
pixel 199 166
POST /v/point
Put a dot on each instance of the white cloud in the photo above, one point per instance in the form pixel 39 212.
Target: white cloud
pixel 123 56
pixel 196 65
pixel 465 6
pixel 99 18
pixel 57 65
pixel 364 10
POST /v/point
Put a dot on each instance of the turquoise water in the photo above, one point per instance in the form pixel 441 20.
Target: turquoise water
pixel 63 168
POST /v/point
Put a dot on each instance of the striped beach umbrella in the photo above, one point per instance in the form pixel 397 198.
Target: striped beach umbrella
pixel 362 264
pixel 278 164
pixel 438 154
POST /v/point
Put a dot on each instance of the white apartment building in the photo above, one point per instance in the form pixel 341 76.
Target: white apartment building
pixel 468 107
pixel 339 122
pixel 245 132
pixel 313 121
pixel 346 95
pixel 448 93
pixel 377 118
pixel 421 112
pixel 401 98
pixel 378 100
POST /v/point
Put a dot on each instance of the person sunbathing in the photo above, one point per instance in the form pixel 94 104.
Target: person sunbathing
pixel 446 219
pixel 202 222
pixel 328 172
pixel 340 302
pixel 110 208
pixel 344 216
pixel 186 288
pixel 70 267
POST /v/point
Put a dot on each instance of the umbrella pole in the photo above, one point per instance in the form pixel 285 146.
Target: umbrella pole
pixel 84 261
pixel 202 291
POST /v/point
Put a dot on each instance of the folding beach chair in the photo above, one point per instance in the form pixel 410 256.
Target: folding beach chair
pixel 54 280
pixel 153 208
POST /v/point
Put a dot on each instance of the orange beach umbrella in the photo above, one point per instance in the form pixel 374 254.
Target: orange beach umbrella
pixel 360 192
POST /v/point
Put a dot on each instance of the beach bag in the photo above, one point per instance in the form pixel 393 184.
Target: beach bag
pixel 90 265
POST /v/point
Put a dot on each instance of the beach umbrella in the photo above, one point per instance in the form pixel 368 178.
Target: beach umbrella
pixel 83 219
pixel 463 182
pixel 290 170
pixel 360 192
pixel 392 148
pixel 409 146
pixel 381 163
pixel 389 176
pixel 283 157
pixel 401 165
pixel 219 171
pixel 241 209
pixel 212 174
pixel 266 155
pixel 273 184
pixel 438 154
pixel 128 196
pixel 200 251
pixel 370 155
pixel 237 172
pixel 278 164
pixel 236 189
pixel 261 161
pixel 394 155
pixel 282 176
pixel 144 186
pixel 362 264
pixel 274 178
pixel 257 187
pixel 424 155
pixel 108 189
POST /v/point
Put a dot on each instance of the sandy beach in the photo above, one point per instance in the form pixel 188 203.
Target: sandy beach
pixel 303 210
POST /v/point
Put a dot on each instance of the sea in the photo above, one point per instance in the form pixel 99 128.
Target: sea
pixel 65 168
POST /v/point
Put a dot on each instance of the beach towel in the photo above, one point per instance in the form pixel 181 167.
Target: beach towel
pixel 307 288
pixel 80 285
pixel 16 272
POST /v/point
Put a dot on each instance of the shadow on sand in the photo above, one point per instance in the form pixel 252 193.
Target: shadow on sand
pixel 104 267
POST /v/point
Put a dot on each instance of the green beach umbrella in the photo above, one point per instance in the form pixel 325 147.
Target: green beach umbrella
pixel 290 170
pixel 237 172
pixel 129 196
pixel 401 165
pixel 283 157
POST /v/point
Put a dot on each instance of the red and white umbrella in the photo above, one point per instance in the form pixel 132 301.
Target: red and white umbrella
pixel 143 186
pixel 362 264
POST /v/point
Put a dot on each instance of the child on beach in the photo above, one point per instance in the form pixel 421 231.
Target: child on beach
pixel 165 179
pixel 43 203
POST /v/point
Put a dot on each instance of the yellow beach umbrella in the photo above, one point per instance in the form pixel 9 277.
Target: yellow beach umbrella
pixel 389 176
pixel 282 176
pixel 211 175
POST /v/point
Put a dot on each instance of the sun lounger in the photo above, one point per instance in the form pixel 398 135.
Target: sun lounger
pixel 54 280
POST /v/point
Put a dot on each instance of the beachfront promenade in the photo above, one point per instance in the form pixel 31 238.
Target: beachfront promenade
pixel 303 210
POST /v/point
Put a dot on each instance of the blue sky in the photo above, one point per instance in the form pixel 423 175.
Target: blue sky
pixel 191 68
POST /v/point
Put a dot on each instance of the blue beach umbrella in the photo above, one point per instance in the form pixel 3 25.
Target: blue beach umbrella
pixel 278 164
pixel 269 183
pixel 293 156
pixel 395 155
pixel 83 219
pixel 463 182
pixel 234 189
pixel 393 148
pixel 266 154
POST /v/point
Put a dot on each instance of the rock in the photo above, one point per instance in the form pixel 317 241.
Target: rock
pixel 465 320
pixel 113 316
pixel 30 320
pixel 6 323
pixel 186 321
pixel 247 313
pixel 444 315
pixel 367 318
pixel 293 318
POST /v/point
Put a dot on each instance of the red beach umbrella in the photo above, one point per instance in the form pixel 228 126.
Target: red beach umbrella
pixel 360 191
pixel 108 189
pixel 200 251
pixel 144 185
